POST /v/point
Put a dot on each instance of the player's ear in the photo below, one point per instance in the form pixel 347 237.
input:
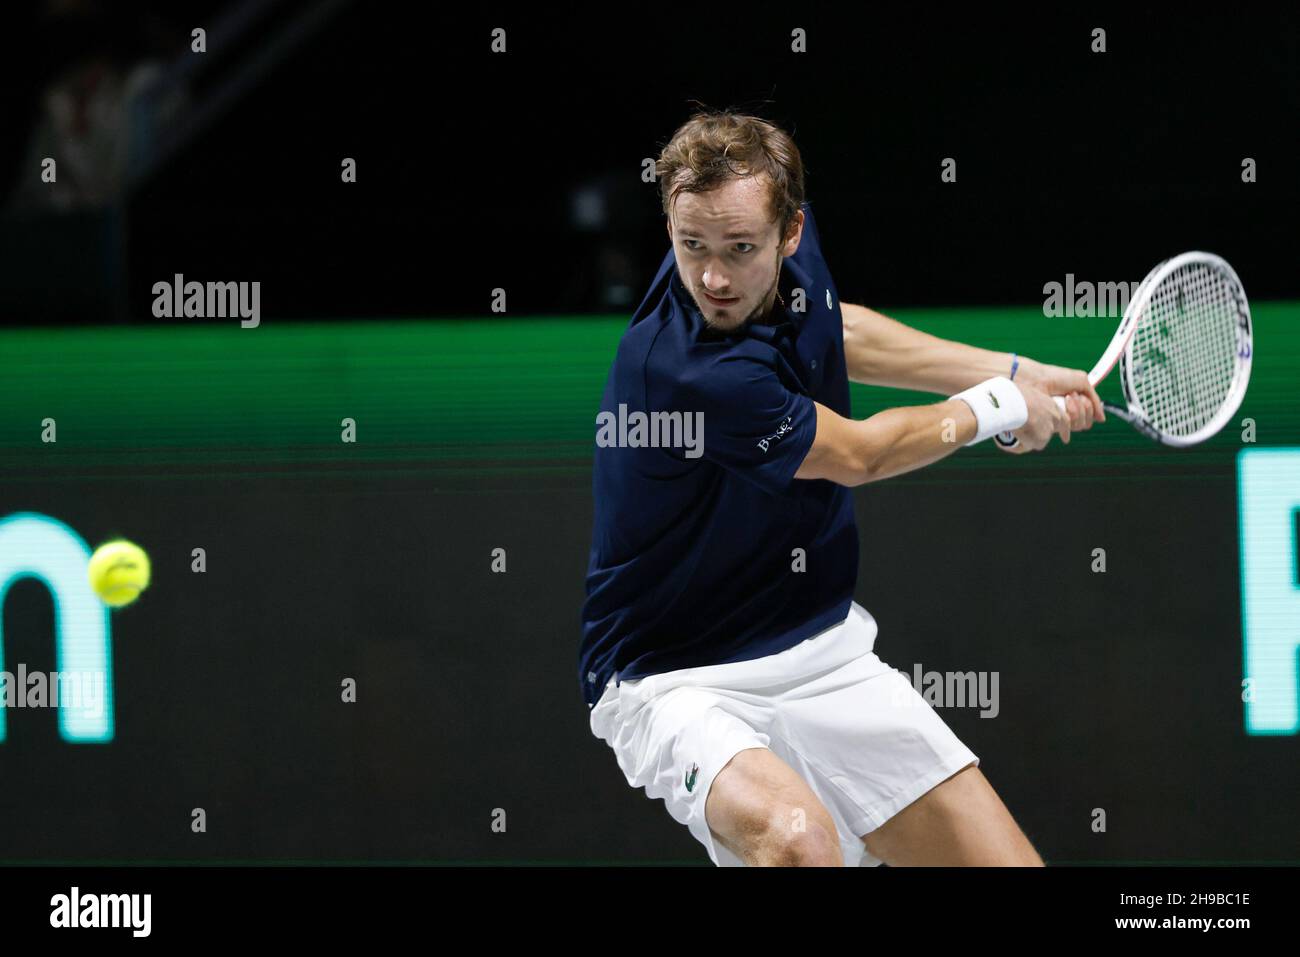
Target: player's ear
pixel 793 234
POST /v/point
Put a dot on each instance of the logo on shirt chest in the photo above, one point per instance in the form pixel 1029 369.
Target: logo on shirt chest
pixel 776 436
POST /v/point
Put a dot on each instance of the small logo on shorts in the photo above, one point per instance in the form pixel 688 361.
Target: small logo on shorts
pixel 690 777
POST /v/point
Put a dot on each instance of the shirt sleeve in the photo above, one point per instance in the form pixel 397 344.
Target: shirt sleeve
pixel 753 425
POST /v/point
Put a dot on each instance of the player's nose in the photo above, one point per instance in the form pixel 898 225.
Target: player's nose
pixel 716 284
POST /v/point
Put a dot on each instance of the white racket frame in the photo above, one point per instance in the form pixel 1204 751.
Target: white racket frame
pixel 1134 414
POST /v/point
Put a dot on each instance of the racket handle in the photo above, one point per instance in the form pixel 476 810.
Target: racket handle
pixel 1008 440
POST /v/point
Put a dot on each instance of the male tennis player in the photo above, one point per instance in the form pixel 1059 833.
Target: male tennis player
pixel 723 656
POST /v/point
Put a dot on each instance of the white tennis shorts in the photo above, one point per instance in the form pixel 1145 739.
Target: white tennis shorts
pixel 852 727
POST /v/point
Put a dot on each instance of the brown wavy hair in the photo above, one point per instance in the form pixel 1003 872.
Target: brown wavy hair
pixel 715 146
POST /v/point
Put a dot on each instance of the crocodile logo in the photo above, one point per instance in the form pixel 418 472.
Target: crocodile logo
pixel 690 777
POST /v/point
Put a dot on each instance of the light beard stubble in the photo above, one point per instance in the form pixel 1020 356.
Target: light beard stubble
pixel 758 314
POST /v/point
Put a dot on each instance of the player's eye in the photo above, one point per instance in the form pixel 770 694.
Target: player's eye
pixel 693 243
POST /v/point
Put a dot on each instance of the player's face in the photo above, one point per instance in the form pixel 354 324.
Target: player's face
pixel 728 252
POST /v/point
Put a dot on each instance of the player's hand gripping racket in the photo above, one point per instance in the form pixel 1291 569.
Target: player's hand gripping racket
pixel 1184 352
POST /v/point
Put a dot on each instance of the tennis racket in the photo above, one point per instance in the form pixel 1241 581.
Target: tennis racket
pixel 1184 350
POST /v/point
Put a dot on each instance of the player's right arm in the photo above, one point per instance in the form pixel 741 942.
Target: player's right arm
pixel 856 451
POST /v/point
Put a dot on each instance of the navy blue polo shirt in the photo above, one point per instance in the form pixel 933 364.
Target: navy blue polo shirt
pixel 693 555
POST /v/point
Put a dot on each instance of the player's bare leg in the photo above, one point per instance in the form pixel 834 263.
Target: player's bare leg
pixel 961 822
pixel 764 813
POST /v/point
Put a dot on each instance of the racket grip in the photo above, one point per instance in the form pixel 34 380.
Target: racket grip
pixel 1008 440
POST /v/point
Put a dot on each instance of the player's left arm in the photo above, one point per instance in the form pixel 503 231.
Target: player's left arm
pixel 885 352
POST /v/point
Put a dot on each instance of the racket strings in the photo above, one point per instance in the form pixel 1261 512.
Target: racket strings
pixel 1182 359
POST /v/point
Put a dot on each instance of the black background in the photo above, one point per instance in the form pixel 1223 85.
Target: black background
pixel 1067 160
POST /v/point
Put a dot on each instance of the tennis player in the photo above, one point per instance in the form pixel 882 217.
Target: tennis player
pixel 723 657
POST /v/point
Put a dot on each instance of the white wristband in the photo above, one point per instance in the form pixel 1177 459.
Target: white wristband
pixel 998 404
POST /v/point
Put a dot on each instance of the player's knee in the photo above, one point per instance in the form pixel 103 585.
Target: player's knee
pixel 817 846
pixel 795 841
pixel 762 812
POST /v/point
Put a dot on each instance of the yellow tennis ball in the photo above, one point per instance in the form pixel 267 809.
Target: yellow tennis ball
pixel 119 571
